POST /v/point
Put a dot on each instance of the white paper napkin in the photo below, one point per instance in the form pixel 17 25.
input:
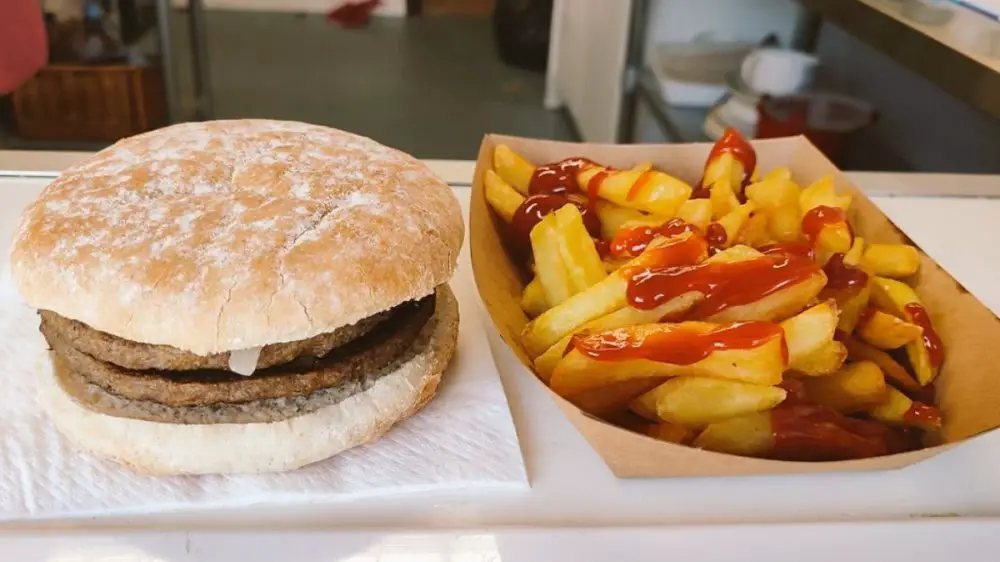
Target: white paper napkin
pixel 464 439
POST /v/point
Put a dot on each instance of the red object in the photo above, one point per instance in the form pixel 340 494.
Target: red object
pixel 723 284
pixel 353 14
pixel 533 209
pixel 23 46
pixel 932 342
pixel 594 185
pixel 640 183
pixel 849 281
pixel 827 120
pixel 558 177
pixel 732 142
pixel 632 241
pixel 809 432
pixel 923 416
pixel 820 217
pixel 677 345
pixel 793 248
pixel 716 236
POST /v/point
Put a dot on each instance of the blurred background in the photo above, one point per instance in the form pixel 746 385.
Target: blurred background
pixel 908 85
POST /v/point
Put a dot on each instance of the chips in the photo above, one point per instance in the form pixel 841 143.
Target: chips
pixel 749 313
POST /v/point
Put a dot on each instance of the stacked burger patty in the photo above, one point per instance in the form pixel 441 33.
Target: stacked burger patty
pixel 164 384
pixel 239 296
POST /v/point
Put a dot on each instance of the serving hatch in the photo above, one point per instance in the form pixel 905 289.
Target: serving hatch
pixel 967 387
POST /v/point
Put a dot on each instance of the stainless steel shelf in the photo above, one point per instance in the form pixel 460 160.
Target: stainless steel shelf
pixel 678 124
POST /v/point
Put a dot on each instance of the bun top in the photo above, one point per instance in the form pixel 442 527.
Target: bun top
pixel 227 235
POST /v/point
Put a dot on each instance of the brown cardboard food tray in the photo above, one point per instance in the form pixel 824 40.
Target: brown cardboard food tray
pixel 968 386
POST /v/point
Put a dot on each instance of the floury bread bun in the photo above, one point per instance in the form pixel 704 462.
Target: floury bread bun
pixel 239 296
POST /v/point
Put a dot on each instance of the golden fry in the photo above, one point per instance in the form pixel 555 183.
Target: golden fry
pixel 810 330
pixel 513 168
pixel 854 388
pixel 565 317
pixel 501 196
pixel 660 194
pixel 854 255
pixel 778 305
pixel 886 331
pixel 576 248
pixel 823 361
pixel 892 260
pixel 756 232
pixel 851 309
pixel 898 409
pixel 785 223
pixel 723 198
pixel 751 435
pixel 548 261
pixel 895 296
pixel 533 300
pixel 576 372
pixel 734 221
pixel 697 212
pixel 615 217
pixel 670 432
pixel 695 402
pixel 822 192
pixel 781 173
pixel 860 351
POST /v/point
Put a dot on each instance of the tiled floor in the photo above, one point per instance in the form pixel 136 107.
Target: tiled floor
pixel 431 86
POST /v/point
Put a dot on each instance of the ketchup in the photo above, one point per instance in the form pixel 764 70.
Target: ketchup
pixel 810 432
pixel 932 342
pixel 534 208
pixel 716 237
pixel 632 241
pixel 677 345
pixel 723 284
pixel 594 184
pixel 790 248
pixel 847 280
pixel 733 143
pixel 640 183
pixel 819 217
pixel 558 177
pixel 922 415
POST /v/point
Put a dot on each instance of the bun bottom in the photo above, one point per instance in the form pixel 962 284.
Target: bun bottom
pixel 246 448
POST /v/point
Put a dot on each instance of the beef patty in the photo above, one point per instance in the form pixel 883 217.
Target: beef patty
pixel 142 356
pixel 302 376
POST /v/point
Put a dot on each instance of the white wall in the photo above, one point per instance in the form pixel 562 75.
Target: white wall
pixel 750 20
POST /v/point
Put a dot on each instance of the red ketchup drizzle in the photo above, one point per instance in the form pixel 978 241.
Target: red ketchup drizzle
pixel 534 208
pixel 847 280
pixel 716 236
pixel 677 345
pixel 932 342
pixel 732 142
pixel 640 183
pixel 792 248
pixel 632 241
pixel 922 415
pixel 594 184
pixel 810 432
pixel 558 177
pixel 723 284
pixel 820 217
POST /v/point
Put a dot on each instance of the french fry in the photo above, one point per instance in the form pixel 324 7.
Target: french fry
pixel 697 212
pixel 723 198
pixel 898 409
pixel 723 166
pixel 642 166
pixel 781 173
pixel 734 221
pixel 886 331
pixel 857 387
pixel 627 316
pixel 751 435
pixel 670 432
pixel 576 248
pixel 551 273
pixel 565 317
pixel 739 252
pixel 897 297
pixel 785 224
pixel 774 193
pixel 852 308
pixel 533 300
pixel 854 255
pixel 756 231
pixel 576 373
pixel 777 306
pixel 860 351
pixel 822 192
pixel 695 402
pixel 513 168
pixel 891 260
pixel 596 301
pixel 656 193
pixel 612 399
pixel 823 361
pixel 810 330
pixel 615 217
pixel 501 196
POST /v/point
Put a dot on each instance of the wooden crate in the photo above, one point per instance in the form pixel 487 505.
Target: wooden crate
pixel 76 102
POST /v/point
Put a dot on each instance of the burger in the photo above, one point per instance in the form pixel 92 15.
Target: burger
pixel 239 296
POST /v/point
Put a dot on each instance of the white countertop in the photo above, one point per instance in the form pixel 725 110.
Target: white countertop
pixel 572 488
